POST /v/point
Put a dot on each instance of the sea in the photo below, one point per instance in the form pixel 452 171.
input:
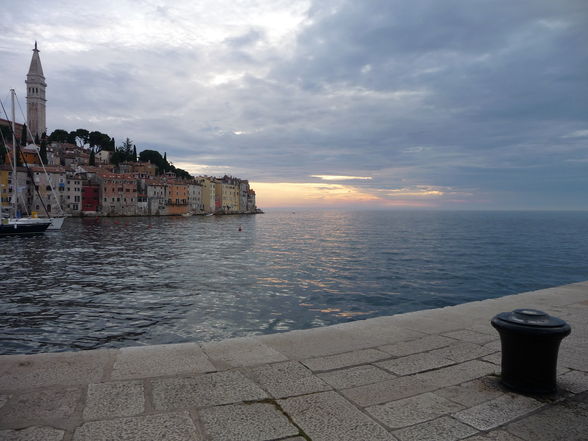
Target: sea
pixel 119 282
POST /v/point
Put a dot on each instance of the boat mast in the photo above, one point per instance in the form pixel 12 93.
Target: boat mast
pixel 14 184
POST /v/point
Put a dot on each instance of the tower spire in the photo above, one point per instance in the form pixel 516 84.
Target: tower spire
pixel 36 95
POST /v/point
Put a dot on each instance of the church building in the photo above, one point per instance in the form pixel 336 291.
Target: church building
pixel 36 85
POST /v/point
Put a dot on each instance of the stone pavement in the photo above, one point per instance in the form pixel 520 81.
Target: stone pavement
pixel 426 375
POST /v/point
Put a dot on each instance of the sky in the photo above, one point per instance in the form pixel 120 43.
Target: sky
pixel 372 104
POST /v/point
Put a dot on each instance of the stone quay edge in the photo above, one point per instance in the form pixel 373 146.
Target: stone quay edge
pixel 424 375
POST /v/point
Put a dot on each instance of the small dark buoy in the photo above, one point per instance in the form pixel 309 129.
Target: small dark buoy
pixel 239 227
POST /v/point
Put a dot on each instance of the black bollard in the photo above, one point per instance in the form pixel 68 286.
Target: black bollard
pixel 530 344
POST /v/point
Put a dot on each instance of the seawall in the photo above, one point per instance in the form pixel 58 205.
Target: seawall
pixel 426 375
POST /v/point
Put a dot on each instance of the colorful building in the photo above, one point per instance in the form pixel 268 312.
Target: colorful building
pixel 118 194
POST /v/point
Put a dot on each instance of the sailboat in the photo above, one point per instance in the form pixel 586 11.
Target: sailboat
pixel 17 224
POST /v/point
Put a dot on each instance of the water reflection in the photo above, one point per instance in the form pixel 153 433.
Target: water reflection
pixel 115 282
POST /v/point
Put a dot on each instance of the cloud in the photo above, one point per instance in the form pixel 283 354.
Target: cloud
pixel 477 100
pixel 341 178
pixel 577 134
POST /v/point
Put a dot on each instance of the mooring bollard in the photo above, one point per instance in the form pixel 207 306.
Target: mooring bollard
pixel 530 343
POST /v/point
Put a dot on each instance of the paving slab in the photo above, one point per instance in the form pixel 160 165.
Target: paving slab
pixel 410 385
pixel 498 411
pixel 355 376
pixel 316 342
pixel 345 360
pixel 495 435
pixel 574 381
pixel 565 422
pixel 169 427
pixel 327 416
pixel 426 322
pixel 463 351
pixel 25 372
pixel 473 392
pixel 287 379
pixel 48 407
pixel 239 352
pixel 419 345
pixel 382 392
pixel 204 390
pixel 161 360
pixel 457 374
pixel 112 400
pixel 246 422
pixel 411 364
pixel 440 429
pixel 32 434
pixel 574 356
pixel 471 336
pixel 414 410
pixel 495 358
pixel 380 331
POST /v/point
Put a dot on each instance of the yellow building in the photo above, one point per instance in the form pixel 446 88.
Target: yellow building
pixel 208 193
pixel 5 172
pixel 227 195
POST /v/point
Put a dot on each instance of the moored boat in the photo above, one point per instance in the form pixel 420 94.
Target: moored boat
pixel 18 224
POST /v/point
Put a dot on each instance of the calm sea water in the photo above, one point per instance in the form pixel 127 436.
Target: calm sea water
pixel 117 282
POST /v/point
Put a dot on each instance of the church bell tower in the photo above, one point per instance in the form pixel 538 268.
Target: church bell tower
pixel 36 96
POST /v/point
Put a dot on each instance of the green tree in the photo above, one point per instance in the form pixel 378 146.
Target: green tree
pixel 43 149
pixel 80 137
pixel 134 153
pixel 37 142
pixel 154 157
pixel 23 135
pixel 58 135
pixel 99 140
pixel 92 160
pixel 18 156
pixel 127 149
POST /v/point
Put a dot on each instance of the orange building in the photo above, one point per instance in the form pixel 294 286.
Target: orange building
pixel 177 202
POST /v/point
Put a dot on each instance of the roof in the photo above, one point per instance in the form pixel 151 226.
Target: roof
pixel 35 68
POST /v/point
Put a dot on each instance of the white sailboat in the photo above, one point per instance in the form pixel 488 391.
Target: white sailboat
pixel 16 224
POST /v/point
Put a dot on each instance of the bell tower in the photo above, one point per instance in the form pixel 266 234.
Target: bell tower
pixel 36 96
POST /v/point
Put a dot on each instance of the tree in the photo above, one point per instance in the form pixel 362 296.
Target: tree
pixel 80 137
pixel 37 142
pixel 92 160
pixel 134 153
pixel 99 140
pixel 43 149
pixel 58 135
pixel 154 157
pixel 23 135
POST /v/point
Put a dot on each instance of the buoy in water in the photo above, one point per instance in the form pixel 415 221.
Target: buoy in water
pixel 239 227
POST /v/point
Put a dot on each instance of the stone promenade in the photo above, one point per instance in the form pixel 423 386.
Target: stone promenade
pixel 427 375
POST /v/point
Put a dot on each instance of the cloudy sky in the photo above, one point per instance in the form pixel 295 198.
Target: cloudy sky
pixel 471 104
